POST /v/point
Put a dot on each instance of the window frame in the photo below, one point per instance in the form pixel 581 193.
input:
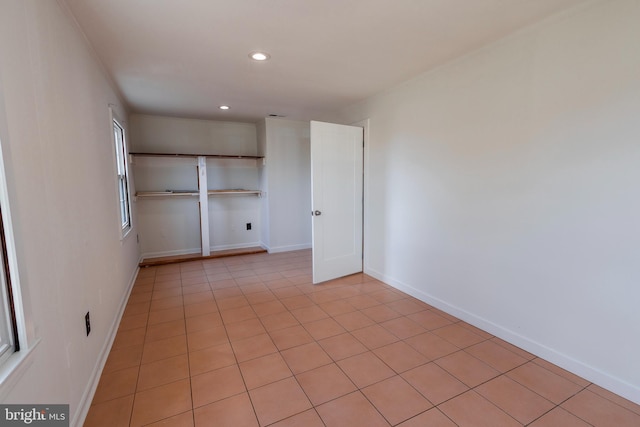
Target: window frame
pixel 9 337
pixel 123 185
pixel 14 363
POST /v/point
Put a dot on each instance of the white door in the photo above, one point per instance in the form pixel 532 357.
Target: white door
pixel 336 200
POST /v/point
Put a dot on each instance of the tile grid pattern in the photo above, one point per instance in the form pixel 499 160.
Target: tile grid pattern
pixel 249 341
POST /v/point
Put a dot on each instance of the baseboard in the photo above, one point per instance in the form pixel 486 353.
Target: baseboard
pixel 277 249
pixel 87 397
pixel 594 375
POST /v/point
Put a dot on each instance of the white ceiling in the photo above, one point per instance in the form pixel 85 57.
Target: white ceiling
pixel 186 57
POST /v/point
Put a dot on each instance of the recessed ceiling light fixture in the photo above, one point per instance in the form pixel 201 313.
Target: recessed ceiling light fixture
pixel 259 56
pixel 224 107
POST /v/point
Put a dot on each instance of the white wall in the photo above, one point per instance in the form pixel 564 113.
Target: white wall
pixel 171 226
pixel 159 134
pixel 504 189
pixel 288 184
pixel 60 162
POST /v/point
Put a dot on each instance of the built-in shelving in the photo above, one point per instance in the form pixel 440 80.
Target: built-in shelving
pixel 202 194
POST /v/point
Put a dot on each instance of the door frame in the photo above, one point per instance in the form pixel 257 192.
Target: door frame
pixel 364 124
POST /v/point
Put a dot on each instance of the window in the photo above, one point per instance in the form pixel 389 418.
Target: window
pixel 11 315
pixel 9 342
pixel 123 178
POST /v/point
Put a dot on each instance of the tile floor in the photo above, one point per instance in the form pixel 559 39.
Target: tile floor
pixel 249 341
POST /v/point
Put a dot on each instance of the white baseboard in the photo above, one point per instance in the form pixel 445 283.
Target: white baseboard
pixel 87 397
pixel 590 373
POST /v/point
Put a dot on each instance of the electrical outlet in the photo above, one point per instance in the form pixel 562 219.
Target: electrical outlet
pixel 248 226
pixel 87 323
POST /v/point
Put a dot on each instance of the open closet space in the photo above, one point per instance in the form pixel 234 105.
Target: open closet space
pixel 203 186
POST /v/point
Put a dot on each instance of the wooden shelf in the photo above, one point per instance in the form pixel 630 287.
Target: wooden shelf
pixel 215 156
pixel 223 192
pixel 196 193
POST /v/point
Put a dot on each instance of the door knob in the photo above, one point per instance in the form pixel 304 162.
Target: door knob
pixel 317 213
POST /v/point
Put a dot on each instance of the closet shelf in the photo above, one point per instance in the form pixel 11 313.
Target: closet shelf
pixel 223 192
pixel 175 193
pixel 215 156
pixel 181 193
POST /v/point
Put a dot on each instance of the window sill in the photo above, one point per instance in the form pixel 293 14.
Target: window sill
pixel 14 368
pixel 126 233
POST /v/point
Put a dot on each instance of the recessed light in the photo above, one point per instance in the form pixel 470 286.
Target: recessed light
pixel 224 107
pixel 259 56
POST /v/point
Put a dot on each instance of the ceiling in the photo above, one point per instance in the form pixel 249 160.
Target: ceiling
pixel 185 58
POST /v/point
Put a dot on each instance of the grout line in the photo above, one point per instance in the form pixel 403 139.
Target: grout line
pixel 135 390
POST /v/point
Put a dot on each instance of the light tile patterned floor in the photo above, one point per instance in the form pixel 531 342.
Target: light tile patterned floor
pixel 249 341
